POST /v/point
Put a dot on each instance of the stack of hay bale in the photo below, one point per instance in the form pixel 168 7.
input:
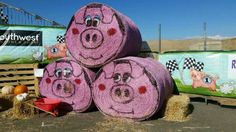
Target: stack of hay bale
pixel 100 39
pixel 13 102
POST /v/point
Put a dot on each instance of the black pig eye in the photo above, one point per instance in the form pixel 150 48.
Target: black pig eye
pixel 58 72
pixel 117 77
pixel 88 21
pixel 126 77
pixel 96 21
pixel 67 72
pixel 54 50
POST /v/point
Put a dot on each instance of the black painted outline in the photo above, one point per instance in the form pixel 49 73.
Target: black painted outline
pixel 155 86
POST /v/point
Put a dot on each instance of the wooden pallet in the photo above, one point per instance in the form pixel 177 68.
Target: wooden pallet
pixel 14 74
pixel 220 100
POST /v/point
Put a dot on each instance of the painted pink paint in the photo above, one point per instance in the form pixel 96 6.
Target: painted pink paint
pixel 136 88
pixel 60 81
pixel 104 35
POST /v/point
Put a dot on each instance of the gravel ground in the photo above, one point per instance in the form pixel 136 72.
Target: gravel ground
pixel 204 117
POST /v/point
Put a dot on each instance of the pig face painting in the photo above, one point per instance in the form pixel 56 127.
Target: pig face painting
pixel 66 80
pixel 125 89
pixel 201 79
pixel 96 35
pixel 58 50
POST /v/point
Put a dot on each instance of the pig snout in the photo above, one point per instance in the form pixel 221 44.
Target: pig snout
pixel 92 38
pixel 122 94
pixel 63 88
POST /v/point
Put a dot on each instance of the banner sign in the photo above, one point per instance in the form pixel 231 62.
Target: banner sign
pixel 20 38
pixel 29 44
pixel 206 73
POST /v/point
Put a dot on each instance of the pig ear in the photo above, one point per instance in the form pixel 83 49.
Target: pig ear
pixel 79 16
pixel 107 14
pixel 136 69
pixel 46 47
pixel 77 70
pixel 49 70
pixel 108 70
pixel 71 21
pixel 62 47
pixel 191 70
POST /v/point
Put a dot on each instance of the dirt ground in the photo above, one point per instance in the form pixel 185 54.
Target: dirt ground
pixel 204 117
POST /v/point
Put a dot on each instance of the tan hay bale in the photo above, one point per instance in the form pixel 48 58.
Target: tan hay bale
pixel 177 108
pixel 20 110
pixel 118 125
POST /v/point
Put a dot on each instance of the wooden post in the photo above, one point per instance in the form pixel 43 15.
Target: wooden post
pixel 159 38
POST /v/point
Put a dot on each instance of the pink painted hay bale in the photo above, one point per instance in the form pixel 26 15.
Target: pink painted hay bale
pixel 68 81
pixel 132 87
pixel 98 34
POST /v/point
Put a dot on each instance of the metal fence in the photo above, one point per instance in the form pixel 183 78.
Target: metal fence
pixel 10 15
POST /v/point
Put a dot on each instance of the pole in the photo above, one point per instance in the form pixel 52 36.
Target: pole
pixel 159 38
pixel 205 35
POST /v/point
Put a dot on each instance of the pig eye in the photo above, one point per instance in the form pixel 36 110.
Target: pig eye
pixel 96 21
pixel 54 50
pixel 58 72
pixel 126 77
pixel 88 21
pixel 67 72
pixel 117 77
pixel 207 80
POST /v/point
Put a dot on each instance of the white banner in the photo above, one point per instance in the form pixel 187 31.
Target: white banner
pixel 232 67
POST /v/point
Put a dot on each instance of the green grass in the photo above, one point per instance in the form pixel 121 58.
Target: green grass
pixel 203 91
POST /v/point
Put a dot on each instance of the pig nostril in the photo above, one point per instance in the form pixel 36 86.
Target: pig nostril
pixel 94 38
pixel 87 37
pixel 118 92
pixel 126 92
pixel 67 89
pixel 59 86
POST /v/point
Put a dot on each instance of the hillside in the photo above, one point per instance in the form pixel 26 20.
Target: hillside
pixel 190 45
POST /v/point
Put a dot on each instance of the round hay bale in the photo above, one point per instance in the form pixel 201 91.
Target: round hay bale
pixel 177 108
pixel 98 34
pixel 66 80
pixel 132 87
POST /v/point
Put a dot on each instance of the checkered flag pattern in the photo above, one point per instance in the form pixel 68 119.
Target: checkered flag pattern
pixel 189 63
pixel 172 65
pixel 60 39
pixel 3 17
pixel 199 66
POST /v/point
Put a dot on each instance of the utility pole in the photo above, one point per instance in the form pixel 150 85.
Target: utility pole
pixel 205 35
pixel 159 38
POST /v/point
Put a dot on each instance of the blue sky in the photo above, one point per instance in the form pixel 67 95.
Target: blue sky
pixel 180 19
